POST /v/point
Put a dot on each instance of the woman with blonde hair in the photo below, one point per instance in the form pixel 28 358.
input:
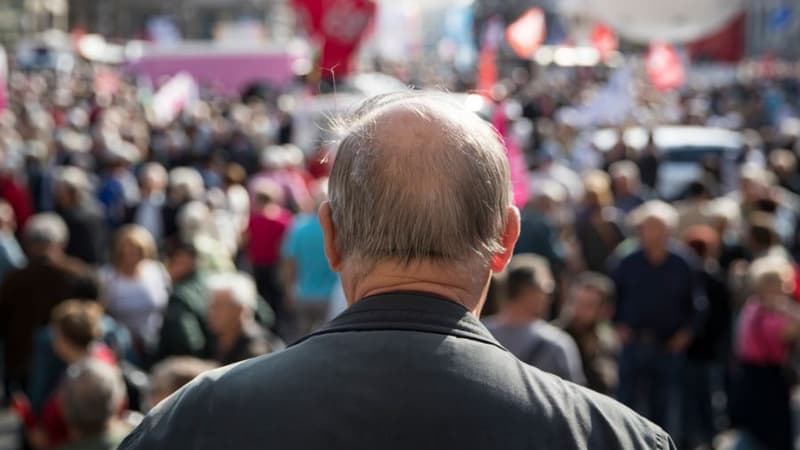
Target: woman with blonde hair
pixel 135 286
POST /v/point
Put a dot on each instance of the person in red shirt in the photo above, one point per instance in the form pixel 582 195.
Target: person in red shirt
pixel 17 195
pixel 268 223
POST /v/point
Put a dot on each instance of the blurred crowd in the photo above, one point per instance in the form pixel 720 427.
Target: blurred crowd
pixel 136 254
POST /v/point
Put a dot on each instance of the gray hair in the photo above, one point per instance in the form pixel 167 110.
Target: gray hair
pixel 46 228
pixel 624 169
pixel 154 172
pixel 194 218
pixel 655 210
pixel 74 179
pixel 187 180
pixel 173 373
pixel 239 285
pixel 91 394
pixel 446 203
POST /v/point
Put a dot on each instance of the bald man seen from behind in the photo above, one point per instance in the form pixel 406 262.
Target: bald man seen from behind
pixel 419 217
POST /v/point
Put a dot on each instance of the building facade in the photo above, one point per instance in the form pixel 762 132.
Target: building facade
pixel 773 26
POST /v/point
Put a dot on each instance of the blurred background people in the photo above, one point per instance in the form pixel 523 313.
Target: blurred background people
pixel 184 329
pixel 93 400
pixel 268 225
pixel 587 319
pixel 135 286
pixel 520 325
pixel 660 300
pixel 231 318
pixel 29 295
pixel 768 326
pixel 172 374
pixel 307 278
pixel 597 227
pixel 82 214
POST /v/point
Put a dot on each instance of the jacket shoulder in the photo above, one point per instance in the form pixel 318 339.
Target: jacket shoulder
pixel 592 420
pixel 179 421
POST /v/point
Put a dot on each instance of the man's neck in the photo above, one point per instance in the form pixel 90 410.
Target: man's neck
pixel 465 287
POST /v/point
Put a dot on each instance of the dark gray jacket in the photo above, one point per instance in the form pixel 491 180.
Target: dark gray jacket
pixel 395 371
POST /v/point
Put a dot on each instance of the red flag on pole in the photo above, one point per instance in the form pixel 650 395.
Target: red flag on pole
pixel 727 44
pixel 604 40
pixel 664 67
pixel 527 33
pixel 339 26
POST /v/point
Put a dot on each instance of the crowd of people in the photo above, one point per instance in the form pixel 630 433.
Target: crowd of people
pixel 135 255
pixel 160 250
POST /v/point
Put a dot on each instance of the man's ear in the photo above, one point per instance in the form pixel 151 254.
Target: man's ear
pixel 508 238
pixel 329 231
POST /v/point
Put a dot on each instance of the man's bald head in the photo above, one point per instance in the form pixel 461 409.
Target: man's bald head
pixel 419 178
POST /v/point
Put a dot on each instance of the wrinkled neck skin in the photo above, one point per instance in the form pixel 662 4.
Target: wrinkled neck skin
pixel 464 284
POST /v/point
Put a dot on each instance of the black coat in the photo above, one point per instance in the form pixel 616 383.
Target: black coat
pixel 88 238
pixel 395 371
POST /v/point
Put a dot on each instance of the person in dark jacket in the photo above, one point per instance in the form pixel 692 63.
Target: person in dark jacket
pixel 660 305
pixel 586 318
pixel 711 350
pixel 88 238
pixel 184 331
pixel 28 295
pixel 409 364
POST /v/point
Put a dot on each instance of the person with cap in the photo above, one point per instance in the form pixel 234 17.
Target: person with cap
pixel 409 364
pixel 660 304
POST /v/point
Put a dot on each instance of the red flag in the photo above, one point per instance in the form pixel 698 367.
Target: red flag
pixel 339 26
pixel 527 33
pixel 727 44
pixel 664 67
pixel 604 40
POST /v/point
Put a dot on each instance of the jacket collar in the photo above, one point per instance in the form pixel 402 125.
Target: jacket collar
pixel 410 311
